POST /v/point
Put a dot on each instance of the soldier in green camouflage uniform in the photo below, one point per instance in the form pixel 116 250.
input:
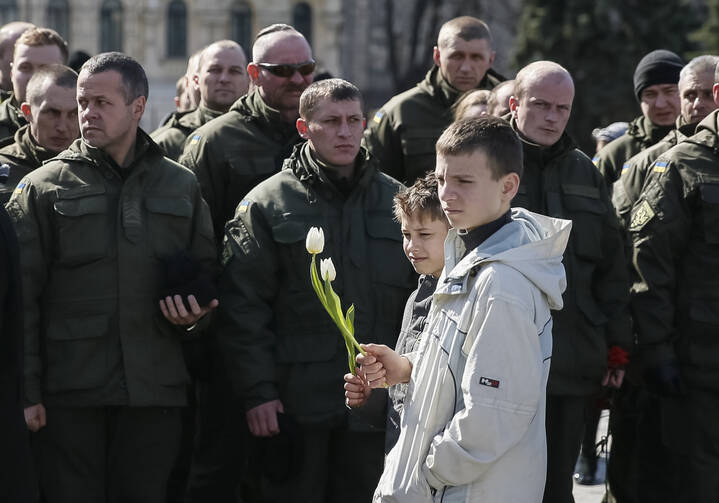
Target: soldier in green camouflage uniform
pixel 403 132
pixel 655 87
pixel 104 371
pixel 560 181
pixel 222 80
pixel 673 229
pixel 52 116
pixel 283 352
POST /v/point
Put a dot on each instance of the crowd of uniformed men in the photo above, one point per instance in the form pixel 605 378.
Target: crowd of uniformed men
pixel 137 386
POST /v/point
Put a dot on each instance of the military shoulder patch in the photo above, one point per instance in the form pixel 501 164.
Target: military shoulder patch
pixel 625 166
pixel 660 166
pixel 20 187
pixel 378 116
pixel 595 160
pixel 195 139
pixel 244 206
pixel 640 216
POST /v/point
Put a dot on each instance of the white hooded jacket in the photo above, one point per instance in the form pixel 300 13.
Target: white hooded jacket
pixel 472 428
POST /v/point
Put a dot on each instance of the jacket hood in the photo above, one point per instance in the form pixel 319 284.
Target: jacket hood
pixel 532 244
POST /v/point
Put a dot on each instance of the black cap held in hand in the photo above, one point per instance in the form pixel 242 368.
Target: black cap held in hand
pixel 185 276
pixel 657 67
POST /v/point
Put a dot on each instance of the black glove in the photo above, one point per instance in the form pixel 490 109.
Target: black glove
pixel 665 379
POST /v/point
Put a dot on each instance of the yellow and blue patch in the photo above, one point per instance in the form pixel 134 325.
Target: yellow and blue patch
pixel 20 186
pixel 378 116
pixel 244 206
pixel 195 139
pixel 625 166
pixel 660 166
pixel 595 160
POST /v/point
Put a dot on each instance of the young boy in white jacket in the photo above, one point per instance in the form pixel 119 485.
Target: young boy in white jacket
pixel 472 427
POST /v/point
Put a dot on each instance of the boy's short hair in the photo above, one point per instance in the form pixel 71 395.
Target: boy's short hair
pixel 492 135
pixel 333 89
pixel 420 197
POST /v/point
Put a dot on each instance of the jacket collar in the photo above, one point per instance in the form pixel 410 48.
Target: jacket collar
pixel 307 169
pixel 254 109
pixel 533 152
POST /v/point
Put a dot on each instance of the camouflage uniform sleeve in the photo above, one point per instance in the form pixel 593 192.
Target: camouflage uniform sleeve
pixel 29 211
pixel 611 282
pixel 659 227
pixel 199 156
pixel 385 144
pixel 248 287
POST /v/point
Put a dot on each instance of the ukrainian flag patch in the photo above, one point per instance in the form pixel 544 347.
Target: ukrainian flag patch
pixel 595 160
pixel 625 166
pixel 20 186
pixel 195 139
pixel 660 166
pixel 378 116
pixel 243 206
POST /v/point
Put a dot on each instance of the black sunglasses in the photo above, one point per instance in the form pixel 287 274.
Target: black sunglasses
pixel 287 70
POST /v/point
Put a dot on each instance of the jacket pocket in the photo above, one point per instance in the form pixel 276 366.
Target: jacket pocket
pixel 77 353
pixel 586 209
pixel 169 224
pixel 82 225
pixel 309 346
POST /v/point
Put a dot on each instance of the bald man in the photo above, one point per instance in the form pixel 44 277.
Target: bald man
pixel 403 132
pixel 233 153
pixel 221 80
pixel 560 181
pixel 9 33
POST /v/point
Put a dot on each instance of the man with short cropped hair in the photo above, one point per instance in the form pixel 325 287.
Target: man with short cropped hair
pixel 9 33
pixel 34 49
pixel 103 228
pixel 403 132
pixel 221 80
pixel 274 334
pixel 655 87
pixel 51 112
pixel 560 181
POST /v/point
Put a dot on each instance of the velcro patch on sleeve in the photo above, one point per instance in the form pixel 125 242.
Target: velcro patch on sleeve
pixel 244 206
pixel 640 216
pixel 595 160
pixel 660 167
pixel 378 116
pixel 488 381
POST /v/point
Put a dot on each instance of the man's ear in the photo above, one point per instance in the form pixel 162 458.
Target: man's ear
pixel 715 91
pixel 510 186
pixel 195 82
pixel 253 71
pixel 302 127
pixel 177 101
pixel 491 58
pixel 435 55
pixel 25 109
pixel 138 107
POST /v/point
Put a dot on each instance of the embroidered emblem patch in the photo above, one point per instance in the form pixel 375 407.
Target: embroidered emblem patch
pixel 244 206
pixel 640 216
pixel 488 381
pixel 660 166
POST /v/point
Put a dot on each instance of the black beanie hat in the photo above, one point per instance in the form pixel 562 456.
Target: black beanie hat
pixel 657 67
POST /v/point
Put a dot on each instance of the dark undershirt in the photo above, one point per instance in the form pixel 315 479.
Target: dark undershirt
pixel 478 235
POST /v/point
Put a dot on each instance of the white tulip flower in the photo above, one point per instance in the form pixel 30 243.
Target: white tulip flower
pixel 327 269
pixel 315 242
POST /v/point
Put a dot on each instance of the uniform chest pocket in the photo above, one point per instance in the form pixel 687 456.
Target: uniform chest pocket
pixel 290 236
pixel 587 211
pixel 169 224
pixel 83 225
pixel 710 211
